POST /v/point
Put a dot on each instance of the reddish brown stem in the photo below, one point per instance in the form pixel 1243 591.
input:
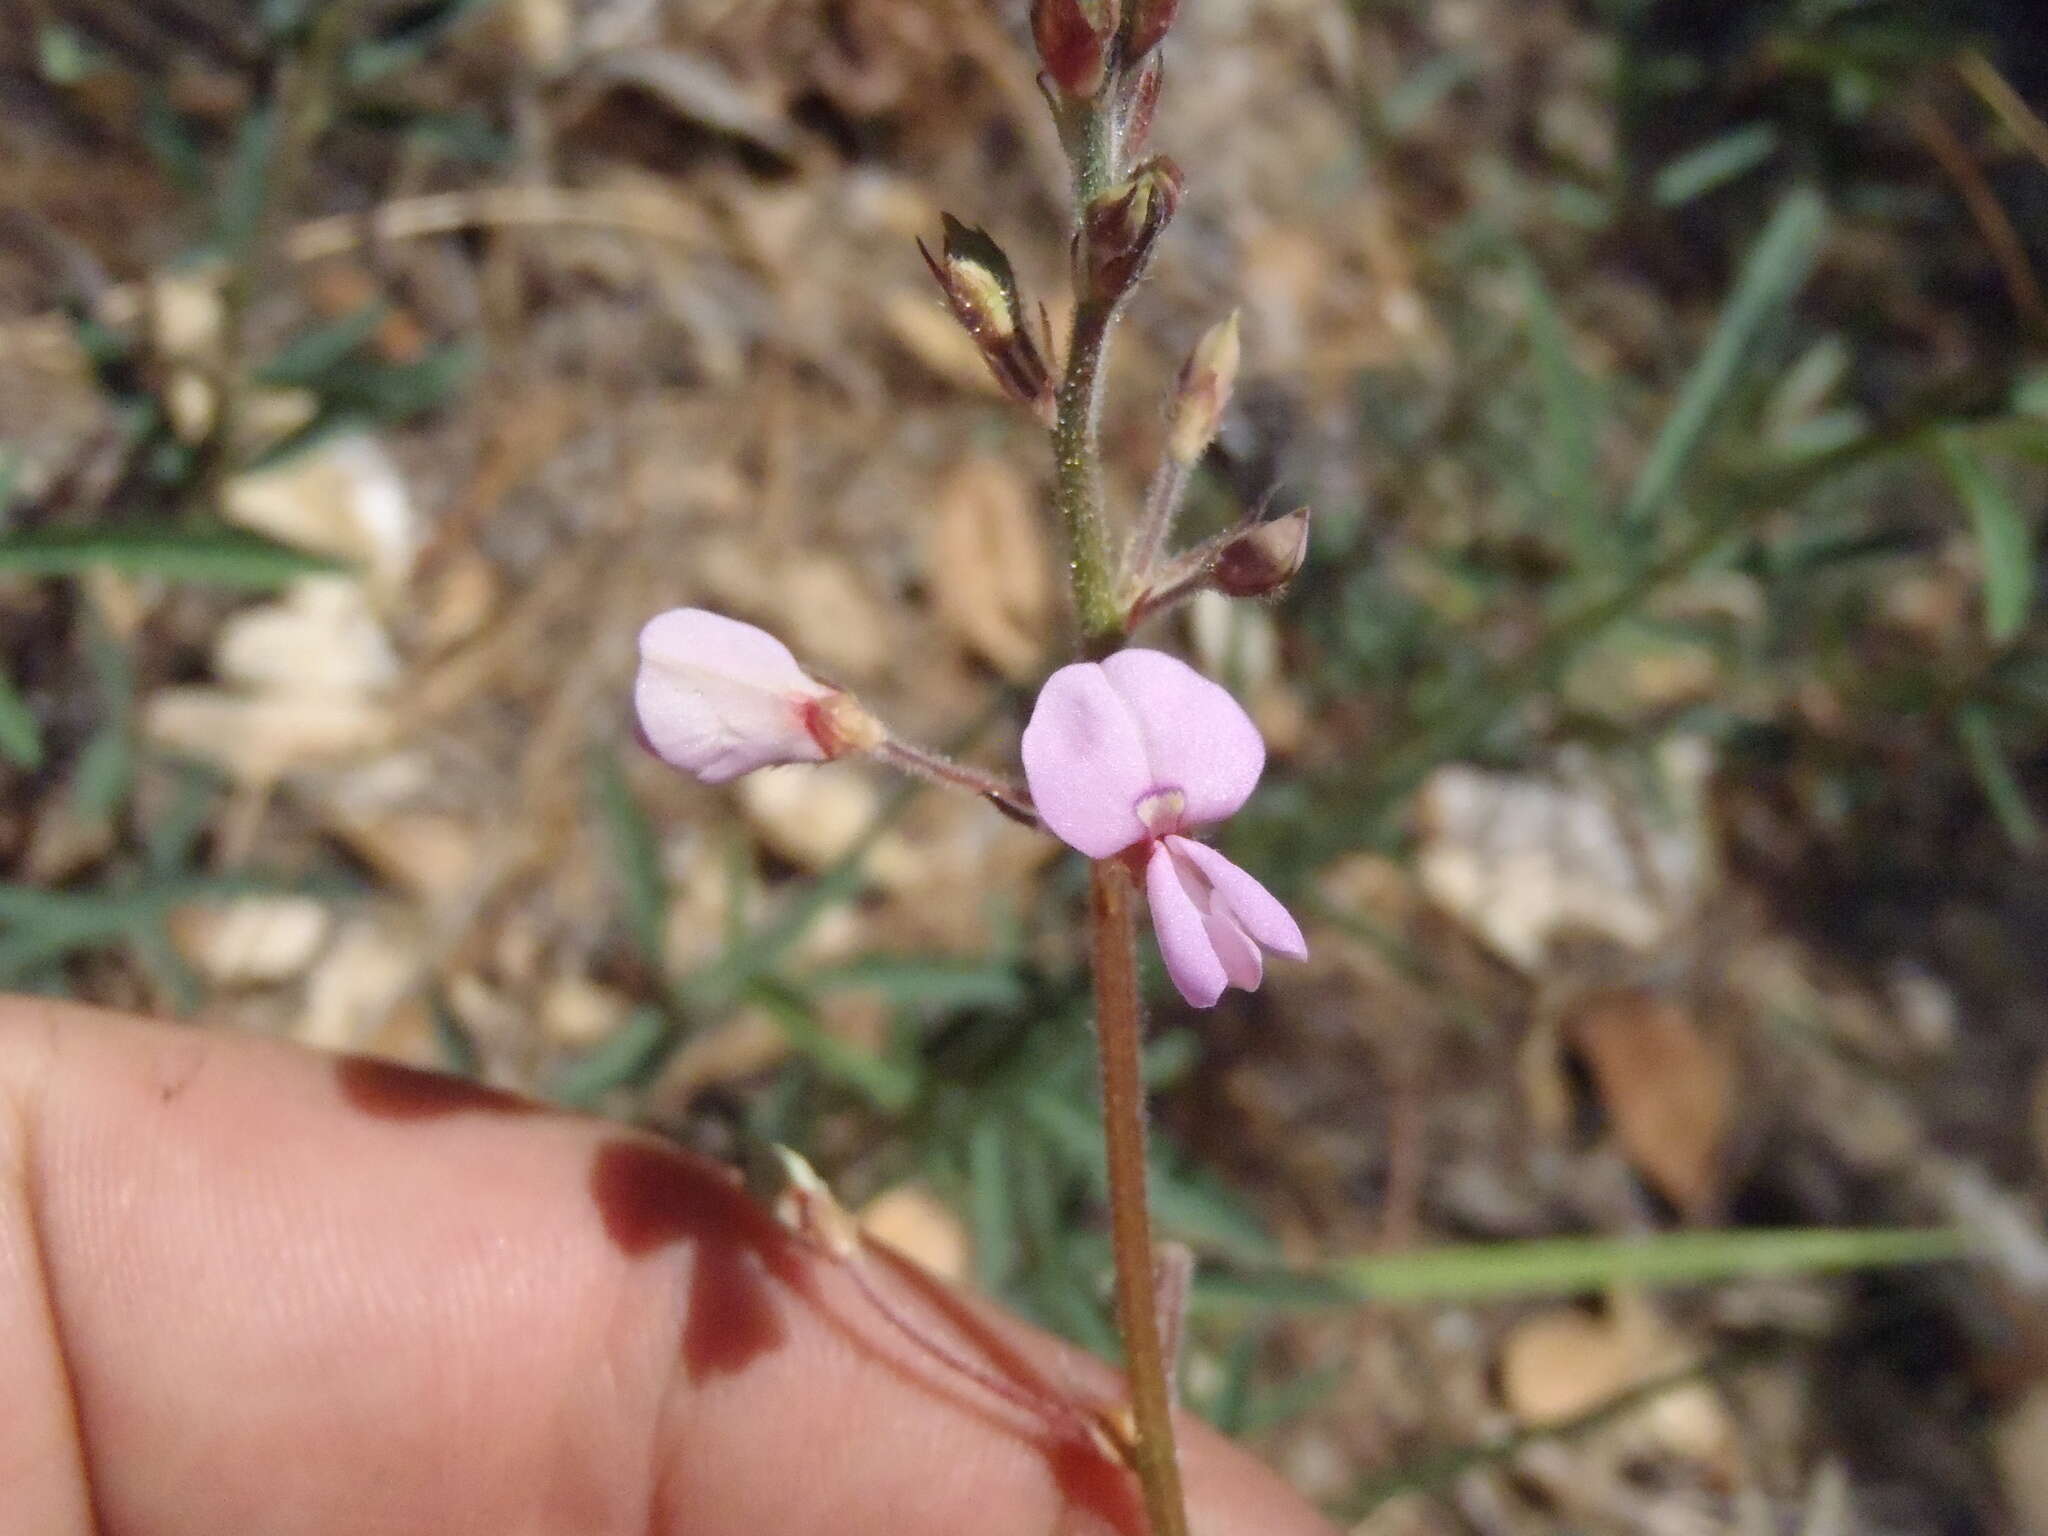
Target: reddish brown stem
pixel 1119 1024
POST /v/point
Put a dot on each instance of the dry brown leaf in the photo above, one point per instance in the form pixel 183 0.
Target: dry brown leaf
pixel 988 569
pixel 432 854
pixel 345 498
pixel 258 738
pixel 830 618
pixel 462 595
pixel 578 1011
pixel 926 330
pixel 322 636
pixel 1562 1364
pixel 1667 1088
pixel 360 981
pixel 254 941
pixel 811 819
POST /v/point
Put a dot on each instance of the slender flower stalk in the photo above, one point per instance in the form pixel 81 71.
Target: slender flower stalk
pixel 1257 558
pixel 1163 496
pixel 1200 395
pixel 1004 794
pixel 1119 1030
pixel 1119 1022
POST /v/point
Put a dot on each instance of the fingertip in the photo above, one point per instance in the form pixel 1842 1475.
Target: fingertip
pixel 327 1294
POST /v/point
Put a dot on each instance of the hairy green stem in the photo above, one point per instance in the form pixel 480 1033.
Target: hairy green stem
pixel 1119 1023
pixel 1078 488
pixel 1093 149
pixel 1077 405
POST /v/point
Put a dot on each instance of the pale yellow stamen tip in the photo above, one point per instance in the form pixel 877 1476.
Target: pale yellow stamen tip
pixel 1162 810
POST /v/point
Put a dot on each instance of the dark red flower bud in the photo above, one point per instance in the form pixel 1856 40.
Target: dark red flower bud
pixel 1146 24
pixel 1264 558
pixel 1121 229
pixel 1140 101
pixel 1074 39
pixel 981 289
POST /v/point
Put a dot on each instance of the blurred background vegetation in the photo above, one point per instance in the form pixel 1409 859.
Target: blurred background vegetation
pixel 1659 730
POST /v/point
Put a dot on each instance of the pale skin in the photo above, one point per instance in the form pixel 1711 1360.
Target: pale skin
pixel 247 1288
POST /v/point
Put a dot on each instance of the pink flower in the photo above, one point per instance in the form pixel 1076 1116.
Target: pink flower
pixel 1133 752
pixel 718 698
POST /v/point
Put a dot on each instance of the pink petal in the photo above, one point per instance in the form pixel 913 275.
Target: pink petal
pixel 1184 942
pixel 1085 762
pixel 1239 956
pixel 1255 909
pixel 696 639
pixel 1198 739
pixel 718 698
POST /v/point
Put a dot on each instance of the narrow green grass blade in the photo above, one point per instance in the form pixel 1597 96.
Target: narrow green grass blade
pixel 1714 164
pixel 635 855
pixel 2004 540
pixel 408 42
pixel 222 556
pixel 11 460
pixel 245 188
pixel 1569 1265
pixel 302 361
pixel 32 905
pixel 938 984
pixel 458 1048
pixel 627 1058
pixel 889 1086
pixel 150 944
pixel 1422 88
pixel 991 1208
pixel 1563 1265
pixel 1979 736
pixel 1569 416
pixel 1776 269
pixel 762 949
pixel 105 772
pixel 21 739
pixel 26 952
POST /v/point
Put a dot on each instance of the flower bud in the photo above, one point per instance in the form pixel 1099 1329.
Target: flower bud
pixel 1140 102
pixel 718 698
pixel 981 289
pixel 1121 228
pixel 1074 38
pixel 1203 392
pixel 1145 25
pixel 1264 558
